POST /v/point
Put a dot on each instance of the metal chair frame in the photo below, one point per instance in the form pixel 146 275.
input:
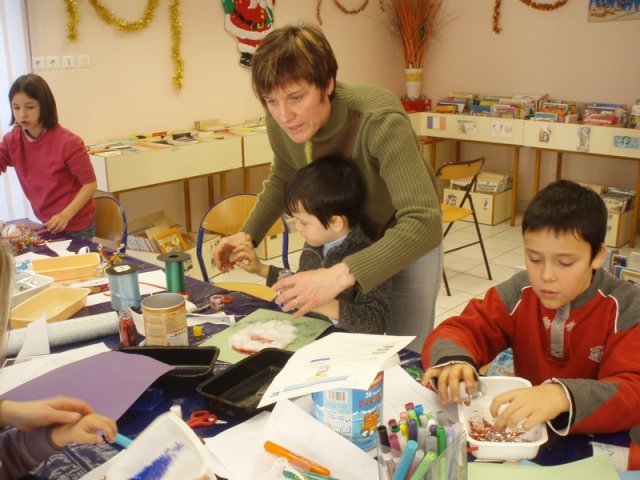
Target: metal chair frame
pixel 451 214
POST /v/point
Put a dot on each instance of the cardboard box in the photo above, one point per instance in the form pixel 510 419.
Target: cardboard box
pixel 618 228
pixel 209 243
pixel 491 208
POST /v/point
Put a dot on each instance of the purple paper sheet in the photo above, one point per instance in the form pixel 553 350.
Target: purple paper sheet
pixel 110 382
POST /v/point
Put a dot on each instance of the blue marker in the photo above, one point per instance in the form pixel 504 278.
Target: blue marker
pixel 405 461
pixel 123 441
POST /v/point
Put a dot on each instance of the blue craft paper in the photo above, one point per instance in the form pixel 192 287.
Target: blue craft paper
pixel 110 381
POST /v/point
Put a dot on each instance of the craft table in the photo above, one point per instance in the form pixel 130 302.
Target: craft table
pixel 77 460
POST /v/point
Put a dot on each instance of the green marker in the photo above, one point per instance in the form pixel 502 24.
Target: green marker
pixel 423 466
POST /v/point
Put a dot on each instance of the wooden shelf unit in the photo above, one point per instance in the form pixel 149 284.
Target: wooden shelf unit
pixel 562 138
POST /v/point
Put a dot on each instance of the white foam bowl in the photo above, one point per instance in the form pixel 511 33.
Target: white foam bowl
pixel 525 448
pixel 36 283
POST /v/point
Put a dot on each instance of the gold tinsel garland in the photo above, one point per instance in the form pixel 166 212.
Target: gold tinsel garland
pixel 109 18
pixel 145 20
pixel 176 40
pixel 529 3
pixel 344 9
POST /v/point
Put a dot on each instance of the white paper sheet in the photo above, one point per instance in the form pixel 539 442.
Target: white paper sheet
pixel 400 388
pixel 234 446
pixel 60 247
pixel 339 360
pixel 36 340
pixel 296 430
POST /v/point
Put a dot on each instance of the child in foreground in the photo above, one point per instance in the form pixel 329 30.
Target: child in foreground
pixel 51 163
pixel 572 326
pixel 41 427
pixel 326 198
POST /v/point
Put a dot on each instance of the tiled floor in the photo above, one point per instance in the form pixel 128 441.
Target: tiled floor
pixel 465 268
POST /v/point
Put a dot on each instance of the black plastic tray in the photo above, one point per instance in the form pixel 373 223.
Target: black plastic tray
pixel 239 388
pixel 191 365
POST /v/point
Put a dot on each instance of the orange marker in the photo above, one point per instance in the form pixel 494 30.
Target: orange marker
pixel 296 459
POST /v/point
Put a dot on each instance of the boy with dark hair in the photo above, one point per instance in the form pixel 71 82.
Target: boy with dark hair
pixel 326 199
pixel 573 327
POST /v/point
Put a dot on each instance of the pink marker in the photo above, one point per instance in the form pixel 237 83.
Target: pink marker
pixel 396 451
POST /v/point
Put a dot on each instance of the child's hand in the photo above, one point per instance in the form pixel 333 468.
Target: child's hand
pixel 533 405
pixel 245 258
pixel 448 379
pixel 89 429
pixel 42 413
pixel 224 249
pixel 58 222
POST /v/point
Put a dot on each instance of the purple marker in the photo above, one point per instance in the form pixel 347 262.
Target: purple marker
pixel 413 430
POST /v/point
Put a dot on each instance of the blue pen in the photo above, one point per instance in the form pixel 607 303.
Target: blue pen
pixel 405 462
pixel 123 441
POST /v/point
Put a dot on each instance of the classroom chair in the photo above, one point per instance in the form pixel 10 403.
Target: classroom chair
pixel 111 221
pixel 226 216
pixel 451 213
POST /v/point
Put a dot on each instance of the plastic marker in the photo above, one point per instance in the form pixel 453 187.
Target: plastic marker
pixel 405 461
pixel 123 441
pixel 296 459
pixel 413 430
pixel 423 466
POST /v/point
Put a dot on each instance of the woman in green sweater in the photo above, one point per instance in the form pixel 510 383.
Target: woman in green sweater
pixel 310 115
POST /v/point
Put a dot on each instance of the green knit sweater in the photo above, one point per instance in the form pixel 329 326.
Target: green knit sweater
pixel 402 211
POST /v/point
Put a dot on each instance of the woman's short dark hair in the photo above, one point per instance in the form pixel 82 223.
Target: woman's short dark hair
pixel 567 207
pixel 328 186
pixel 35 87
pixel 292 53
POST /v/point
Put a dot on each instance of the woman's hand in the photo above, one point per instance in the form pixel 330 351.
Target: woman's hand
pixel 531 405
pixel 307 290
pixel 42 413
pixel 223 254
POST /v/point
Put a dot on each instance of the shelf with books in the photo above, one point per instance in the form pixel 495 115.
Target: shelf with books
pixel 604 141
pixel 472 128
pixel 144 168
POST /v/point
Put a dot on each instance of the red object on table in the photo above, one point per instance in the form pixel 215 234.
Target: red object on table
pixel 420 104
pixel 202 418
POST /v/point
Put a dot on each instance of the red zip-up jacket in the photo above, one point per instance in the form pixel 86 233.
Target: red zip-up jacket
pixel 592 347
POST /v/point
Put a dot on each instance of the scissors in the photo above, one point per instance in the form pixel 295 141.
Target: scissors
pixel 203 418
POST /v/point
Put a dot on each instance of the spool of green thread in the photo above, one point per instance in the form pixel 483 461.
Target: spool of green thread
pixel 174 270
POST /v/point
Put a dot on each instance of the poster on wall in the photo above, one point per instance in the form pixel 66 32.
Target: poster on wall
pixel 613 10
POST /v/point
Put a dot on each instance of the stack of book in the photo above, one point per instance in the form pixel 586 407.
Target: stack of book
pixel 634 115
pixel 618 200
pixel 604 114
pixel 626 267
pixel 488 182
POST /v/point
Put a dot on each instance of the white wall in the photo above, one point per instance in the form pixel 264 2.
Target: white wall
pixel 129 90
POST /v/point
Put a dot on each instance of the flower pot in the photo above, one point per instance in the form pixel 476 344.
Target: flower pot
pixel 413 77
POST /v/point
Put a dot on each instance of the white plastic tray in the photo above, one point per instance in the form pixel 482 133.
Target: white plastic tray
pixel 525 448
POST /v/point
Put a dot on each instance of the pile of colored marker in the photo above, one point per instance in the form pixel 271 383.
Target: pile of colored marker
pixel 409 446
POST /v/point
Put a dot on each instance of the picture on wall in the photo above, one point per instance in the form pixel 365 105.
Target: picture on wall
pixel 613 10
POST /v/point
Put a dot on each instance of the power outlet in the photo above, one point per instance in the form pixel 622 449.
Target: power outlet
pixel 38 63
pixel 69 61
pixel 53 62
pixel 84 61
